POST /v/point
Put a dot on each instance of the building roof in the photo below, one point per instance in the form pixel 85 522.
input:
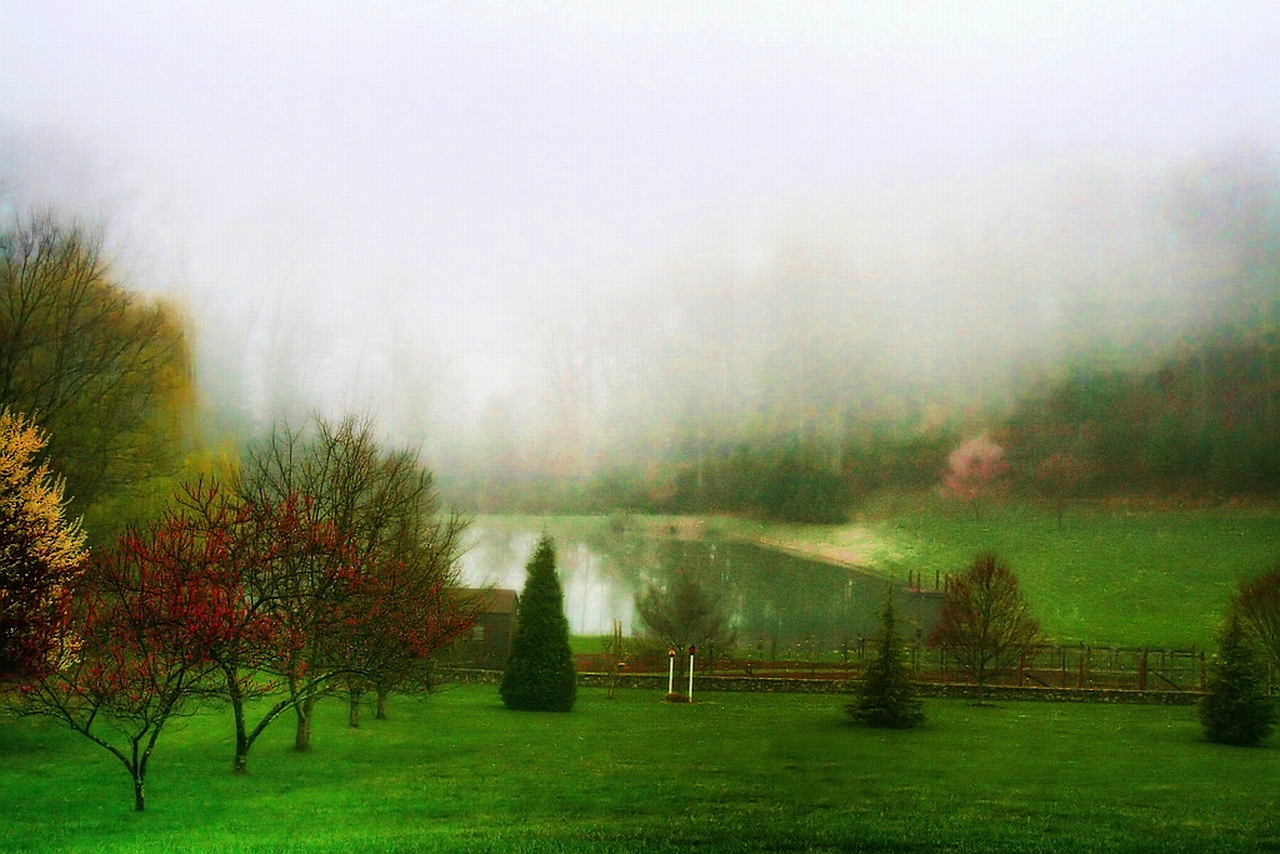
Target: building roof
pixel 495 600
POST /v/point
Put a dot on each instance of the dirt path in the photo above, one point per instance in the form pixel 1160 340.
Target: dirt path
pixel 857 553
pixel 853 546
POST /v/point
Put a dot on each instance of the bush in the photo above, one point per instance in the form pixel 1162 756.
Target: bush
pixel 886 692
pixel 540 674
pixel 1236 710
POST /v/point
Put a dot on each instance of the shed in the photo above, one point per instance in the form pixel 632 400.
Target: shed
pixel 489 643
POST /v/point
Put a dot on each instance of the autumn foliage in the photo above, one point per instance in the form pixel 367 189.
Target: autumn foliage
pixel 41 553
pixel 148 613
pixel 236 595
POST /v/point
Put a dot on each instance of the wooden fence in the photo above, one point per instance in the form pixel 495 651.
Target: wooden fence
pixel 1075 666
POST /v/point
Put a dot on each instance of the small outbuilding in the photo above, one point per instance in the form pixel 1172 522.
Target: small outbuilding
pixel 489 643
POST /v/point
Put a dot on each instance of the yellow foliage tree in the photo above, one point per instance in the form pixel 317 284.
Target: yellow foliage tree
pixel 41 553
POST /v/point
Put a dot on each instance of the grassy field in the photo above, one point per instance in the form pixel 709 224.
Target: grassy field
pixel 732 772
pixel 1113 575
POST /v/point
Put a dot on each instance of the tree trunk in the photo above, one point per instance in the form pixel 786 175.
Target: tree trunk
pixel 353 710
pixel 139 792
pixel 302 738
pixel 382 704
pixel 241 760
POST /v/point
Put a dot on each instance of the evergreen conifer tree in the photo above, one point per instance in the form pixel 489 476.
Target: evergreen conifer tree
pixel 886 692
pixel 540 674
pixel 1237 709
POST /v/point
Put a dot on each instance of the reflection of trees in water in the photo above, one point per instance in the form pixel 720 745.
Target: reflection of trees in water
pixel 772 600
pixel 776 598
pixel 497 556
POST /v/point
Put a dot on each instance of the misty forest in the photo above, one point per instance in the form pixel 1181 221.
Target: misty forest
pixel 732 390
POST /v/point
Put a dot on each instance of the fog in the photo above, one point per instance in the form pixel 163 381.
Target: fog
pixel 545 235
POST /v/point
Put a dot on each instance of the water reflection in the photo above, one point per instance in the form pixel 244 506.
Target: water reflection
pixel 772 599
pixel 594 593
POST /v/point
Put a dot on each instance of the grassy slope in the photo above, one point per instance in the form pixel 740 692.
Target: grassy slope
pixel 1115 576
pixel 1118 575
pixel 732 772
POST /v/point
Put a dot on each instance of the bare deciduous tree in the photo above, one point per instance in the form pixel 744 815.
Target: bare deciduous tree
pixel 682 612
pixel 367 624
pixel 985 624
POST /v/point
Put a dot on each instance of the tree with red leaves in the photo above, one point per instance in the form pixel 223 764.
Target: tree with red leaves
pixel 973 470
pixel 1257 602
pixel 985 624
pixel 410 610
pixel 147 615
pixel 272 557
pixel 41 554
pixel 389 599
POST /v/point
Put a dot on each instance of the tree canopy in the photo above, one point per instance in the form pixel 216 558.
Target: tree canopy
pixel 985 624
pixel 106 373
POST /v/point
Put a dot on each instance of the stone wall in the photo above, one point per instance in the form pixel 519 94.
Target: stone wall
pixel 766 685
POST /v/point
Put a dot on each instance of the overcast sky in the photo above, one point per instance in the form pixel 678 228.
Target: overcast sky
pixel 448 167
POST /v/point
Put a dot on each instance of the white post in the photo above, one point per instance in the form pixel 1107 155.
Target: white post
pixel 671 670
pixel 692 650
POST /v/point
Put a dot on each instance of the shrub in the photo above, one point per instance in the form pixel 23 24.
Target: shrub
pixel 1236 710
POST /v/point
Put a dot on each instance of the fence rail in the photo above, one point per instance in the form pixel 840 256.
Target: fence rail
pixel 1075 666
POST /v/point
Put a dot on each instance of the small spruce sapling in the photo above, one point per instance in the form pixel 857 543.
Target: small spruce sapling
pixel 1236 710
pixel 886 693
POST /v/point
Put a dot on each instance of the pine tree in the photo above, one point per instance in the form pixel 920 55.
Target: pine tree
pixel 540 674
pixel 886 693
pixel 1237 709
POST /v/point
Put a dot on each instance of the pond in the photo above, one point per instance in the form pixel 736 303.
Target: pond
pixel 772 599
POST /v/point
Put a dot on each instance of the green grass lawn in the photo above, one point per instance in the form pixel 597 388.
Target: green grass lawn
pixel 732 772
pixel 1108 575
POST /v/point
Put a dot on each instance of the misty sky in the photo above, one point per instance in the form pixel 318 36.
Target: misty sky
pixel 395 184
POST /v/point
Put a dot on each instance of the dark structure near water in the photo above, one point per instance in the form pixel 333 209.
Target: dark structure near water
pixel 489 643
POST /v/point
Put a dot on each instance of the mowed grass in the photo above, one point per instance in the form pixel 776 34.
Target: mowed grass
pixel 731 772
pixel 1110 575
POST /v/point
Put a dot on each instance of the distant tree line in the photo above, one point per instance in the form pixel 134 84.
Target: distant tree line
pixel 1204 421
pixel 1207 419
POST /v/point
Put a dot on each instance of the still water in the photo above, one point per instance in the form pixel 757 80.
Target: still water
pixel 770 598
